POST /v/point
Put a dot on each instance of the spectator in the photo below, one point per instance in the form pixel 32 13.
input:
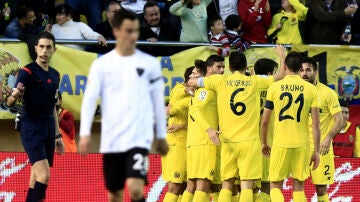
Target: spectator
pixel 233 25
pixel 223 9
pixel 92 9
pixel 66 28
pixel 193 19
pixel 355 26
pixel 7 13
pixel 154 28
pixel 347 142
pixel 216 35
pixel 67 126
pixel 326 21
pixel 105 28
pixel 256 18
pixel 284 28
pixel 22 27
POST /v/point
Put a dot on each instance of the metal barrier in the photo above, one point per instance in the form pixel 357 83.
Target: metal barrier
pixel 159 43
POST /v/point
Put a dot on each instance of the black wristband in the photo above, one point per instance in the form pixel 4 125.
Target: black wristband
pixel 58 136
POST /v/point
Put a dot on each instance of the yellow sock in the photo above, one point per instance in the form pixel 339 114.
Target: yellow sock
pixel 276 195
pixel 246 195
pixel 264 197
pixel 225 195
pixel 324 198
pixel 201 196
pixel 179 198
pixel 299 196
pixel 215 196
pixel 187 197
pixel 170 197
pixel 256 197
pixel 235 198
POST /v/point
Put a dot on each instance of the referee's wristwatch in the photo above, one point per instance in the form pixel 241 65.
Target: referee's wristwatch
pixel 58 136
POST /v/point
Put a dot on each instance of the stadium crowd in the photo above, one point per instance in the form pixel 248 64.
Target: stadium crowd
pixel 232 23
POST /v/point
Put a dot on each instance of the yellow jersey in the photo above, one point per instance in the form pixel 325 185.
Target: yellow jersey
pixel 262 94
pixel 202 116
pixel 291 100
pixel 238 104
pixel 179 102
pixel 328 106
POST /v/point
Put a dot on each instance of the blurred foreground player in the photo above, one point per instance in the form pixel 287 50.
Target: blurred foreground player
pixel 129 83
pixel 38 83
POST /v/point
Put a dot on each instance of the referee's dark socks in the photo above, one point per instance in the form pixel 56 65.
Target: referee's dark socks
pixel 29 195
pixel 140 200
pixel 39 191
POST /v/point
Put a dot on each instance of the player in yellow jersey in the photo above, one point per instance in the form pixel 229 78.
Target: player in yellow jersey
pixel 291 99
pixel 174 163
pixel 265 67
pixel 238 109
pixel 202 126
pixel 330 124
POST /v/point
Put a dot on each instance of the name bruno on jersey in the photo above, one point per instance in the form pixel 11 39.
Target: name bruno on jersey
pixel 292 87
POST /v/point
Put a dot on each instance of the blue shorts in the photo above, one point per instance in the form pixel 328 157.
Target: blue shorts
pixel 38 138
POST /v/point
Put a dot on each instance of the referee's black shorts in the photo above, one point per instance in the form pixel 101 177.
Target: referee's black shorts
pixel 117 167
pixel 38 138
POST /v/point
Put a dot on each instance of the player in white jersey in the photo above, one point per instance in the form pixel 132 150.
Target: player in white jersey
pixel 129 84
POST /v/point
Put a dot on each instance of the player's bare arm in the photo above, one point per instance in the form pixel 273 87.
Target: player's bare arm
pixel 326 142
pixel 264 130
pixel 315 158
pixel 281 51
pixel 214 135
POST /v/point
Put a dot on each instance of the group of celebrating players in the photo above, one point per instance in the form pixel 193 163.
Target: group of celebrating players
pixel 250 129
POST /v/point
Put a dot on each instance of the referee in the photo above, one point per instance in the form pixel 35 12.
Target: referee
pixel 38 83
pixel 129 84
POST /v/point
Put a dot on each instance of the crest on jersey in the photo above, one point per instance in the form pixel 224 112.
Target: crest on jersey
pixel 347 81
pixel 202 95
pixel 351 138
pixel 140 71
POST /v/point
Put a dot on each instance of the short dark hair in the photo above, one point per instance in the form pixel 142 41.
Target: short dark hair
pixel 187 73
pixel 22 11
pixel 264 66
pixel 214 58
pixel 344 103
pixel 45 35
pixel 123 15
pixel 211 21
pixel 201 66
pixel 293 61
pixel 64 9
pixel 237 61
pixel 232 22
pixel 312 61
pixel 150 4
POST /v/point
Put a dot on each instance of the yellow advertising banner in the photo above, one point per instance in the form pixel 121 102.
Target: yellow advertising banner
pixel 338 67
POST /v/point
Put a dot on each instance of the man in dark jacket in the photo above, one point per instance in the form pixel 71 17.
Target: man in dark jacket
pixel 326 21
pixel 154 28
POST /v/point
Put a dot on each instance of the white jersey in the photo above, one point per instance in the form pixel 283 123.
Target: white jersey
pixel 132 100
